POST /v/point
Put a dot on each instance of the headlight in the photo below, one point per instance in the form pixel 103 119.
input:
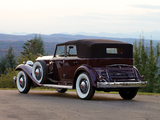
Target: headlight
pixel 30 63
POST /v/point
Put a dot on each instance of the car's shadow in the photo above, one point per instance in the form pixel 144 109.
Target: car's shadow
pixel 54 94
pixel 73 95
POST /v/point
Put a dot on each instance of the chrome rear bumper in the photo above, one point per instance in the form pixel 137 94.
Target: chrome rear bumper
pixel 120 84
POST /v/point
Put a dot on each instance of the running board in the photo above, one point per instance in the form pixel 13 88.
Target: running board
pixel 45 85
pixel 57 86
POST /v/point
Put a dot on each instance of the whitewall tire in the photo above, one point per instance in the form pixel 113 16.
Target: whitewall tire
pixel 84 88
pixel 39 72
pixel 23 82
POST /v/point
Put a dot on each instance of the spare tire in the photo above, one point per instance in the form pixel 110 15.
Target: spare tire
pixel 39 72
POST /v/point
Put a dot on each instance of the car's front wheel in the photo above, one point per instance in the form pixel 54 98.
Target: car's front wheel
pixel 84 88
pixel 23 82
pixel 128 94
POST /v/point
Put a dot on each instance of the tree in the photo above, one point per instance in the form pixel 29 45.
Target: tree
pixel 146 61
pixel 140 56
pixel 153 77
pixel 8 61
pixel 34 46
pixel 6 81
pixel 10 57
pixel 32 49
pixel 24 58
pixel 2 65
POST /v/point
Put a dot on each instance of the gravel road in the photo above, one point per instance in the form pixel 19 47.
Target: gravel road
pixel 50 105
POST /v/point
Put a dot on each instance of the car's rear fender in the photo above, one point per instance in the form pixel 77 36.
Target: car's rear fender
pixel 90 71
pixel 28 70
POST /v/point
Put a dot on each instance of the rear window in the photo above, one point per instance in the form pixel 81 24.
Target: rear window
pixel 114 51
pixel 111 51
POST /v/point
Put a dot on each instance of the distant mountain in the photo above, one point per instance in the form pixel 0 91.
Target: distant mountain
pixel 17 33
pixel 59 37
pixel 18 47
pixel 66 37
pixel 50 41
pixel 154 35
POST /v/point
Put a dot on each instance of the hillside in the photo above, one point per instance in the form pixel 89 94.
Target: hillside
pixel 50 41
pixel 17 46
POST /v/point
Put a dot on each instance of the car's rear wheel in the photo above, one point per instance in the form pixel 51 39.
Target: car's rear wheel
pixel 39 72
pixel 61 90
pixel 23 82
pixel 128 94
pixel 84 88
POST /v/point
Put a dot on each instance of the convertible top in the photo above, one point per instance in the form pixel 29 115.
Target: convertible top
pixel 90 42
pixel 96 48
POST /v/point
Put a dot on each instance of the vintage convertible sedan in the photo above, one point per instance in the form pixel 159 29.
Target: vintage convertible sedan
pixel 85 65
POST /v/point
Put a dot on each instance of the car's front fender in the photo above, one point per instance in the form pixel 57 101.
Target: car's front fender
pixel 28 70
pixel 90 71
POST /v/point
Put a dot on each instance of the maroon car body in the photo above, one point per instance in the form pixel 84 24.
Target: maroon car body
pixel 85 65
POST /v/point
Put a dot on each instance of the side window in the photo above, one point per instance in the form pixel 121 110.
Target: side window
pixel 60 51
pixel 71 51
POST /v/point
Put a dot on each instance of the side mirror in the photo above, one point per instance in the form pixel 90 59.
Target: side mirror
pixel 70 47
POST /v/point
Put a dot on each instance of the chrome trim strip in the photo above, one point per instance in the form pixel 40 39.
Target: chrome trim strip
pixel 120 65
pixel 57 86
pixel 120 84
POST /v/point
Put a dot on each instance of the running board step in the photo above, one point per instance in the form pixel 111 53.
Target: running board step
pixel 57 86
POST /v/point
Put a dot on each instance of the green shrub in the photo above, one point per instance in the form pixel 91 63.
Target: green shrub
pixel 6 81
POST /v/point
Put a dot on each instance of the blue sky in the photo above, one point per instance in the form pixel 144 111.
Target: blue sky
pixel 72 16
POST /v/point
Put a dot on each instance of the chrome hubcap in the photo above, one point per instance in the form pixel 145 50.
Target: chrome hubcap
pixel 84 86
pixel 38 73
pixel 22 81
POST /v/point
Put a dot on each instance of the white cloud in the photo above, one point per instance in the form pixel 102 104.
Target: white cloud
pixel 49 16
pixel 145 6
